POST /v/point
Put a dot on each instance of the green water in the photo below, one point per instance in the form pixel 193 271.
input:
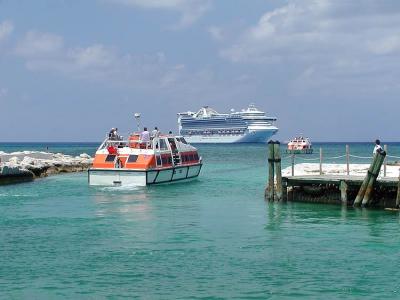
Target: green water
pixel 212 238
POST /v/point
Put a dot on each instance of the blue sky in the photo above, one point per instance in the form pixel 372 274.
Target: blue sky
pixel 70 70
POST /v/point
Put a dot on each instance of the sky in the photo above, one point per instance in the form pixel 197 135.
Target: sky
pixel 70 70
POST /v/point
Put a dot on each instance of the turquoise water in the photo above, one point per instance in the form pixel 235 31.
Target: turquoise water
pixel 212 238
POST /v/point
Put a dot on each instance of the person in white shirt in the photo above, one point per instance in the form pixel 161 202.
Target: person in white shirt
pixel 145 135
pixel 378 147
pixel 155 133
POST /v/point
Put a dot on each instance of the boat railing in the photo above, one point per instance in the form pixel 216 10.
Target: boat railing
pixel 120 143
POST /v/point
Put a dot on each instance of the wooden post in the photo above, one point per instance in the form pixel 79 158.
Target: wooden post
pixel 398 193
pixel 269 193
pixel 292 164
pixel 348 159
pixel 374 174
pixel 284 189
pixel 278 171
pixel 364 184
pixel 320 161
pixel 343 192
pixel 385 162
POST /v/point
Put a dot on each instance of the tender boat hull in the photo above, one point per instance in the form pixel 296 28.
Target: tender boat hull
pixel 117 177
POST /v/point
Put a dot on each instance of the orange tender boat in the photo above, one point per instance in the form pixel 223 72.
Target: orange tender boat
pixel 164 159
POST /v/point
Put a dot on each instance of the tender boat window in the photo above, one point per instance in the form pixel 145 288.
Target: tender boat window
pixel 110 158
pixel 132 158
pixel 163 144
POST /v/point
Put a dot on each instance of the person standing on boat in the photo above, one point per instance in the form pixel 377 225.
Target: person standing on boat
pixel 111 133
pixel 155 133
pixel 145 135
pixel 378 147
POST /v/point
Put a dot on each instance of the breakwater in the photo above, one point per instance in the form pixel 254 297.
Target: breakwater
pixel 27 165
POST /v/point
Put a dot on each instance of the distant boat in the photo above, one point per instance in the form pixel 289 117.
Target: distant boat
pixel 208 126
pixel 299 145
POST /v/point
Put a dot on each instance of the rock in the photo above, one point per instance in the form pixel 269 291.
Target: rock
pixel 33 164
pixel 28 161
pixel 14 160
pixel 85 155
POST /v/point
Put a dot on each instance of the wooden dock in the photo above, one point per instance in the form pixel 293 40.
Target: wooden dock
pixel 340 189
pixel 366 191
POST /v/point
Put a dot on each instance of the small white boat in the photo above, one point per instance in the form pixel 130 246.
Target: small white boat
pixel 299 145
pixel 164 159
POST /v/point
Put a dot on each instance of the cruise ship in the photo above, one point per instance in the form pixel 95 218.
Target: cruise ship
pixel 208 126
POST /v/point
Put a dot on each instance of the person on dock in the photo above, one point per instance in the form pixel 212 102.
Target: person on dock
pixel 378 147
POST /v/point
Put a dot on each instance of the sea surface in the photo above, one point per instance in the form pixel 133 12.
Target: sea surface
pixel 212 238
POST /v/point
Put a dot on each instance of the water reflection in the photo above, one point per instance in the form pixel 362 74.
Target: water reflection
pixel 133 204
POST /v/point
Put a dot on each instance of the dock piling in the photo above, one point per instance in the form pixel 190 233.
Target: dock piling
pixel 361 191
pixel 398 193
pixel 348 159
pixel 343 192
pixel 269 193
pixel 385 147
pixel 292 164
pixel 278 171
pixel 374 174
pixel 320 161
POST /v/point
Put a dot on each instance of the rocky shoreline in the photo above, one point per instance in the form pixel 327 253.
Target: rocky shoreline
pixel 28 165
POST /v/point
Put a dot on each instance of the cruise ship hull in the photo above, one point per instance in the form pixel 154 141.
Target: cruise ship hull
pixel 254 136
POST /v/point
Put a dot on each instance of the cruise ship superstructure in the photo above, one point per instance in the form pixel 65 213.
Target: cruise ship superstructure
pixel 208 126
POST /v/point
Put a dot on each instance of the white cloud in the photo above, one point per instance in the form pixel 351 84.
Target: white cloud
pixel 385 45
pixel 190 10
pixel 216 33
pixel 45 52
pixel 6 28
pixel 311 29
pixel 325 43
pixel 37 44
pixel 92 56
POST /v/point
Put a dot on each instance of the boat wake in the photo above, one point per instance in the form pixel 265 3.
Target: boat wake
pixel 126 187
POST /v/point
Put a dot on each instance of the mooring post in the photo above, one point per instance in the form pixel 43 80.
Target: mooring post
pixel 398 193
pixel 320 161
pixel 374 174
pixel 292 164
pixel 269 193
pixel 343 192
pixel 385 147
pixel 348 159
pixel 284 189
pixel 278 171
pixel 364 184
